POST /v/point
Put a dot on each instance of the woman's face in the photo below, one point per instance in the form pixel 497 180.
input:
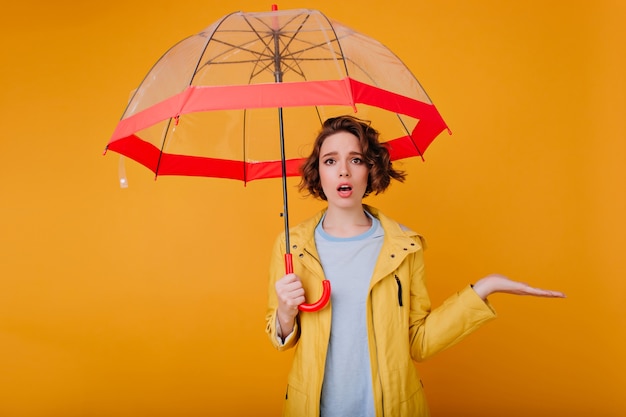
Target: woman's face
pixel 343 172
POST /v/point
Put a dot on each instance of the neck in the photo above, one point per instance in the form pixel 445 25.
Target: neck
pixel 346 222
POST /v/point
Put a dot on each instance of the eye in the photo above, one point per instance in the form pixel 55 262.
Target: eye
pixel 329 161
pixel 357 161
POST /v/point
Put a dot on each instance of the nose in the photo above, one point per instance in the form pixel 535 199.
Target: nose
pixel 343 172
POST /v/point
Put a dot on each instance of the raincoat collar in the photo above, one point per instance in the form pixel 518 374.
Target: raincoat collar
pixel 399 241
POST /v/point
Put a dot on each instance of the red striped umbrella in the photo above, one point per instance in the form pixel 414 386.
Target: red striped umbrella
pixel 243 98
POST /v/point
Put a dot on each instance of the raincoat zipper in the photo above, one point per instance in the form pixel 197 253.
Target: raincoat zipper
pixel 399 290
pixel 313 256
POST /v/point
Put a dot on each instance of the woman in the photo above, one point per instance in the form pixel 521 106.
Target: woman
pixel 355 357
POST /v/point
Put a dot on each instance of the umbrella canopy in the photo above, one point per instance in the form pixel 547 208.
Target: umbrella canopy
pixel 208 106
pixel 243 99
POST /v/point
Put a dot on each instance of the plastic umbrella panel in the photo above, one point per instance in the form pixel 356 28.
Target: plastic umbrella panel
pixel 208 106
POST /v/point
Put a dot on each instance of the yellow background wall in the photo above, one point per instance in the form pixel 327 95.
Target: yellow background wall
pixel 149 301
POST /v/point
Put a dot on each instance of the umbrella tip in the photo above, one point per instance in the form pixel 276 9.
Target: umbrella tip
pixel 274 7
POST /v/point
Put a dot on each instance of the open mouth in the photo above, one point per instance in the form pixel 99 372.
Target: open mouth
pixel 344 190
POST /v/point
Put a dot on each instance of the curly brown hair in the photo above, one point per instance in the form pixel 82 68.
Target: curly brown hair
pixel 375 155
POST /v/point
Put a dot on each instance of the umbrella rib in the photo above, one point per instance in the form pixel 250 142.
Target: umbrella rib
pixel 243 61
pixel 285 48
pixel 232 47
pixel 158 164
pixel 286 54
pixel 311 46
pixel 266 41
pixel 341 54
pixel 291 38
pixel 292 56
pixel 269 54
pixel 240 48
pixel 206 45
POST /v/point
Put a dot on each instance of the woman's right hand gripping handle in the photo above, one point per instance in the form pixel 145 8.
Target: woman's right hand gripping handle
pixel 292 292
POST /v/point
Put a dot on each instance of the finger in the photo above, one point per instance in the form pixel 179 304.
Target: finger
pixel 289 279
pixel 547 293
pixel 291 295
pixel 556 294
pixel 292 278
pixel 291 288
pixel 299 300
pixel 294 302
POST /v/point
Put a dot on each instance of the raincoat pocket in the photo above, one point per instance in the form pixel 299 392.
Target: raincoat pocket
pixel 409 399
pixel 414 406
pixel 296 403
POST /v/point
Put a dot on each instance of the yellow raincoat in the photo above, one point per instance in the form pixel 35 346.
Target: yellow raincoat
pixel 401 326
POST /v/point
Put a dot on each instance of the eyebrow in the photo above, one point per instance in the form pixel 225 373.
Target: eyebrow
pixel 332 153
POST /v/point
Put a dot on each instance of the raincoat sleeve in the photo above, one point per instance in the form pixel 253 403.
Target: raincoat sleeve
pixel 276 272
pixel 432 331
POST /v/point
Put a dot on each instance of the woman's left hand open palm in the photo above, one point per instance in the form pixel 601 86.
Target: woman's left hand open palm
pixel 499 283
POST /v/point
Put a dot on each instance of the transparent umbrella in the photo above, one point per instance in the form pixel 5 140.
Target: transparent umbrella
pixel 243 98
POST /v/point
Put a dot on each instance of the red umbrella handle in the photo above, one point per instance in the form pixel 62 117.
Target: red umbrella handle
pixel 319 304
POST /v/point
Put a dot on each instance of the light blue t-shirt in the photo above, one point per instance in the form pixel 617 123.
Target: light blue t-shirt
pixel 348 264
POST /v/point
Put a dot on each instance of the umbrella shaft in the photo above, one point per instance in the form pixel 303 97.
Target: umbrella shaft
pixel 278 77
pixel 284 177
pixel 278 73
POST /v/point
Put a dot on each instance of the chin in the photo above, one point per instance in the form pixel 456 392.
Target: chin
pixel 345 203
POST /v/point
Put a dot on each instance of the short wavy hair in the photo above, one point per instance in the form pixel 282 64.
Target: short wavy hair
pixel 375 155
